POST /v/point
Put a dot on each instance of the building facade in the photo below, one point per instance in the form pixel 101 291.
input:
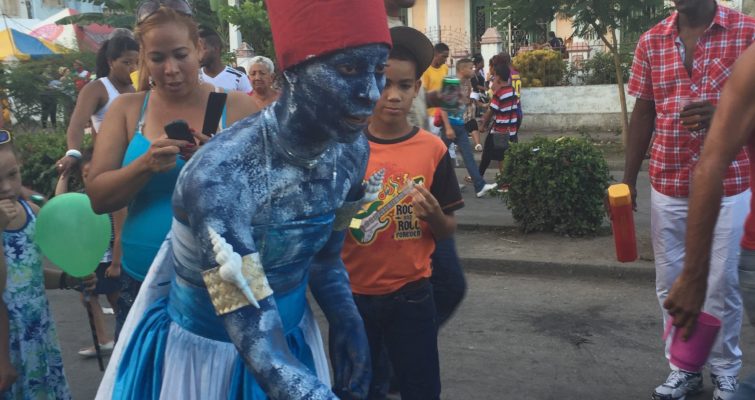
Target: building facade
pixel 42 9
pixel 461 23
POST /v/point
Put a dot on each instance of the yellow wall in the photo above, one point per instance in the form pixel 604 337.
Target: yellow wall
pixel 748 7
pixel 454 20
pixel 563 28
pixel 419 15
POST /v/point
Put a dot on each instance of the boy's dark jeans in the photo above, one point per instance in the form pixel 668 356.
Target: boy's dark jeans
pixel 465 148
pixel 403 324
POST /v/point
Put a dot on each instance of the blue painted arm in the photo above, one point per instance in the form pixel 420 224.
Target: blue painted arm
pixel 258 336
pixel 349 349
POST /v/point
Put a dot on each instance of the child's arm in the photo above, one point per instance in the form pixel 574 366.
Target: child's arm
pixel 114 270
pixel 486 118
pixel 8 375
pixel 56 279
pixel 450 133
pixel 62 185
pixel 427 208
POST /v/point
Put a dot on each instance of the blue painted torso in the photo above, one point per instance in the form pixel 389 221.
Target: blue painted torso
pixel 280 209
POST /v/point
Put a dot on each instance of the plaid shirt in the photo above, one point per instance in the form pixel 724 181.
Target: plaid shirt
pixel 658 75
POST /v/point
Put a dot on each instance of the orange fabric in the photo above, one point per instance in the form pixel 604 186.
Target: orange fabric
pixel 392 247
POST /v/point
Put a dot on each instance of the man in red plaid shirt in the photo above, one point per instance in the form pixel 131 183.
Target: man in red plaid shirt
pixel 679 68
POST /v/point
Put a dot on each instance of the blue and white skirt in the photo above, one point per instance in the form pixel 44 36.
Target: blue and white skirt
pixel 171 346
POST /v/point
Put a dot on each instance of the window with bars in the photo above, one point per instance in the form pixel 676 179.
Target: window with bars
pixel 480 25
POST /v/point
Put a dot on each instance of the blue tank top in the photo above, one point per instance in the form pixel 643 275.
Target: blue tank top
pixel 150 212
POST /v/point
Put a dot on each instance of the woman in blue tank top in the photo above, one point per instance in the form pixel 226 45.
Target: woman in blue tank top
pixel 135 165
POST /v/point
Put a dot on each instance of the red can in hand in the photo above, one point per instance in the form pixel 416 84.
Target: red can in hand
pixel 622 222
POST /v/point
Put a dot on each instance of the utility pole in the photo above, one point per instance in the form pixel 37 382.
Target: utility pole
pixel 234 35
pixel 433 19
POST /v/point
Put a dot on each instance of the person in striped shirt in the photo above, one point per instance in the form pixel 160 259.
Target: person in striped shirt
pixel 503 112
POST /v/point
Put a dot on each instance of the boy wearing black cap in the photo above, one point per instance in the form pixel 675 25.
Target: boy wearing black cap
pixel 387 250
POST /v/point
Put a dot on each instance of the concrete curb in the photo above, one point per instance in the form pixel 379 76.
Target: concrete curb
pixel 631 272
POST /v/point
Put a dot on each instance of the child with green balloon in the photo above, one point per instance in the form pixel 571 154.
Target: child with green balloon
pixel 109 268
pixel 25 321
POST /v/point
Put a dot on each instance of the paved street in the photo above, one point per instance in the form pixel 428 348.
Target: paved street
pixel 517 336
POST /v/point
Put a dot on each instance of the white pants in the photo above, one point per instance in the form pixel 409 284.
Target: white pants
pixel 668 220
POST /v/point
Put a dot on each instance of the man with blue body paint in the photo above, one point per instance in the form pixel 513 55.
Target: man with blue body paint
pixel 260 212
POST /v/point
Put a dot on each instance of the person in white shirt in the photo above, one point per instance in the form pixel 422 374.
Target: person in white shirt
pixel 213 71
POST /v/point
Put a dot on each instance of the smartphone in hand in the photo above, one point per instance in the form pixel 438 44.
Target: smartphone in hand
pixel 179 130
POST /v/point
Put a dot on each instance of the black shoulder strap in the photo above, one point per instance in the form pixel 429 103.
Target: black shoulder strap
pixel 214 112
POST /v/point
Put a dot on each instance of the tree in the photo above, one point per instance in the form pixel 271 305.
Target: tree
pixel 603 18
pixel 122 14
pixel 116 13
pixel 253 23
pixel 527 15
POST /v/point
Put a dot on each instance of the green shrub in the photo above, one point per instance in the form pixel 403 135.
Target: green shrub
pixel 556 185
pixel 38 153
pixel 540 67
pixel 27 81
pixel 600 68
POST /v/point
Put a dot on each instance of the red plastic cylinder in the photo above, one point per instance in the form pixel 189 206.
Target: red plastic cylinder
pixel 622 222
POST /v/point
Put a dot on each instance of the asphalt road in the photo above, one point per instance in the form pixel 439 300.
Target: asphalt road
pixel 515 337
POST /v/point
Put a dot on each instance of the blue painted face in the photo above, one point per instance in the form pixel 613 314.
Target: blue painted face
pixel 338 92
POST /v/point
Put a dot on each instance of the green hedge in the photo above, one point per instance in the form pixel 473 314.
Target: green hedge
pixel 600 68
pixel 556 185
pixel 38 153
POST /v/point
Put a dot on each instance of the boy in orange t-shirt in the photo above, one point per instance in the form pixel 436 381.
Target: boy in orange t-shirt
pixel 387 249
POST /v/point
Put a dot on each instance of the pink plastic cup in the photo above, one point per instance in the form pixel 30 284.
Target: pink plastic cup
pixel 691 355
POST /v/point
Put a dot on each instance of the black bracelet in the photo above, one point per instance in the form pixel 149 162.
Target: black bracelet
pixel 62 281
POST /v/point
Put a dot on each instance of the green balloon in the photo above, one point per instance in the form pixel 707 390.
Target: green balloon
pixel 71 235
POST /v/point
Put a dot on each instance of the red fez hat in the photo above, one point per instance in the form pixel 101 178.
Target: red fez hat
pixel 303 29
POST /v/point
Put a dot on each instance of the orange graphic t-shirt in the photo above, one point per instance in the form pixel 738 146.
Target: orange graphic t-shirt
pixel 387 246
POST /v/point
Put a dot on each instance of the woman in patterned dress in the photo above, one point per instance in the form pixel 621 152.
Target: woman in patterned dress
pixel 29 349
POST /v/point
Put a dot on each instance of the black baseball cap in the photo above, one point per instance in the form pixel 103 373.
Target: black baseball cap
pixel 416 43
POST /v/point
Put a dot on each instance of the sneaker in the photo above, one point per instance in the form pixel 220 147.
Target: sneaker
pixel 105 349
pixel 452 151
pixel 478 147
pixel 108 311
pixel 678 385
pixel 723 386
pixel 485 189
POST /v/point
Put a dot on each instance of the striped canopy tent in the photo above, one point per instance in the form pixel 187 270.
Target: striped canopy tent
pixel 71 36
pixel 15 45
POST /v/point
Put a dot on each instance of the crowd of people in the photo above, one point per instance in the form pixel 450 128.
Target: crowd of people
pixel 335 172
